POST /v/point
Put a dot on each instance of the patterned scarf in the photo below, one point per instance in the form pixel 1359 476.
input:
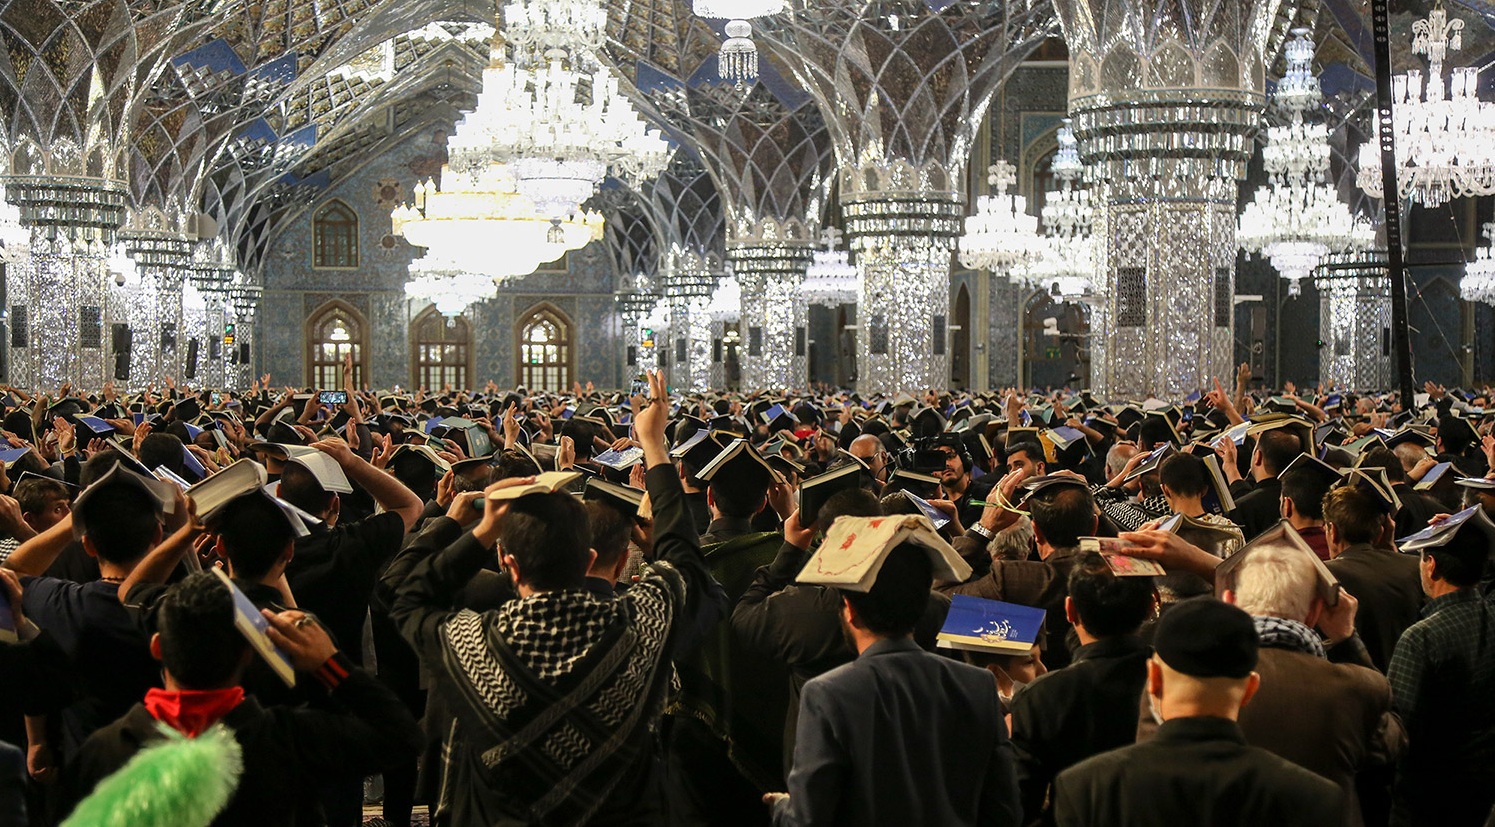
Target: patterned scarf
pixel 1280 633
pixel 563 690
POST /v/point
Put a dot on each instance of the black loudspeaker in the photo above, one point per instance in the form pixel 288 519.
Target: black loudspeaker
pixel 190 367
pixel 243 353
pixel 18 328
pixel 123 339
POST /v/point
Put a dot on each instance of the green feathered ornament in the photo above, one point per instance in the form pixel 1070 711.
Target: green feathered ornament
pixel 179 782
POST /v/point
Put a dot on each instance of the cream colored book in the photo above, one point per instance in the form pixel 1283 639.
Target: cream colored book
pixel 546 483
pixel 855 548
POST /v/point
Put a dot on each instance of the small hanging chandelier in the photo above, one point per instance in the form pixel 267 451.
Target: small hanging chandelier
pixel 1001 236
pixel 738 59
pixel 1445 135
pixel 1478 284
pixel 1070 252
pixel 450 288
pixel 831 279
pixel 726 301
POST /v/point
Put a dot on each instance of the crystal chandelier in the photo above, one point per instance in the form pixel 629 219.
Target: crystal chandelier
pixel 726 301
pixel 831 279
pixel 1070 253
pixel 1296 219
pixel 481 224
pixel 1445 135
pixel 1001 236
pixel 15 238
pixel 450 288
pixel 738 58
pixel 534 27
pixel 562 130
pixel 1478 284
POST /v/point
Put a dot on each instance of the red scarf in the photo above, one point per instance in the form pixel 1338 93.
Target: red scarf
pixel 192 711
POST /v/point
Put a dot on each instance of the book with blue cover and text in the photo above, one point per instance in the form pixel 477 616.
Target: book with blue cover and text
pixel 976 624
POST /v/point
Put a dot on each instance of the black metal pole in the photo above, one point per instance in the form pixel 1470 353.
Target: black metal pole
pixel 1401 339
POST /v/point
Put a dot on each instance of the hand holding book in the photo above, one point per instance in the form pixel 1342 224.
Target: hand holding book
pixel 300 637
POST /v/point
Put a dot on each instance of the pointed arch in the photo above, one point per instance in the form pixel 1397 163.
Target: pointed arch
pixel 960 338
pixel 440 350
pixel 334 229
pixel 333 332
pixel 544 348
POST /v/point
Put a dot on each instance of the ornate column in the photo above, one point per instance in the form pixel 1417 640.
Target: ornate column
pixel 904 86
pixel 1354 320
pixel 688 283
pixel 1166 100
pixel 770 264
pixel 58 293
pixel 242 308
pixel 634 307
pixel 903 239
pixel 767 150
pixel 204 300
pixel 161 259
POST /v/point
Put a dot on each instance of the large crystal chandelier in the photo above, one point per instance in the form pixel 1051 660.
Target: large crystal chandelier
pixel 1478 284
pixel 1297 218
pixel 1070 254
pixel 738 58
pixel 1001 236
pixel 1445 135
pixel 561 129
pixel 831 279
pixel 479 223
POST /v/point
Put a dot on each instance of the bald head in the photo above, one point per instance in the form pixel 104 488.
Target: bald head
pixel 868 448
pixel 865 447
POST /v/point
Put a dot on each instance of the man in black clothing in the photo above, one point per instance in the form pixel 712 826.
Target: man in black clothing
pixel 287 752
pixel 1417 508
pixel 120 519
pixel 1198 769
pixel 333 571
pixel 555 696
pixel 1258 505
pixel 1089 706
pixel 800 625
pixel 1385 583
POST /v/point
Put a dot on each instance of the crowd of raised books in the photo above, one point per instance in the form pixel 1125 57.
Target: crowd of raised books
pixel 650 606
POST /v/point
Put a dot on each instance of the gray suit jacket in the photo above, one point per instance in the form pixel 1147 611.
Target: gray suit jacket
pixel 901 737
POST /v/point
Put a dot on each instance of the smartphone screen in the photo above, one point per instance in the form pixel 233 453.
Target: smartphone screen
pixel 334 397
pixel 640 386
pixel 217 397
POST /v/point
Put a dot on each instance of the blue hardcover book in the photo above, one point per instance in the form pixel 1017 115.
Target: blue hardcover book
pixel 979 625
pixel 252 625
pixel 1431 478
pixel 95 424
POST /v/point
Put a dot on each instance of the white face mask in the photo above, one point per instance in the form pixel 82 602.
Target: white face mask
pixel 1152 707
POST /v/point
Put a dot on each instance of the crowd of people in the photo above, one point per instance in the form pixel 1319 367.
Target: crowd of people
pixel 522 607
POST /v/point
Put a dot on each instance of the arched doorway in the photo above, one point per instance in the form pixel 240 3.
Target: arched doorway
pixel 334 332
pixel 544 349
pixel 960 339
pixel 441 350
pixel 1056 342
